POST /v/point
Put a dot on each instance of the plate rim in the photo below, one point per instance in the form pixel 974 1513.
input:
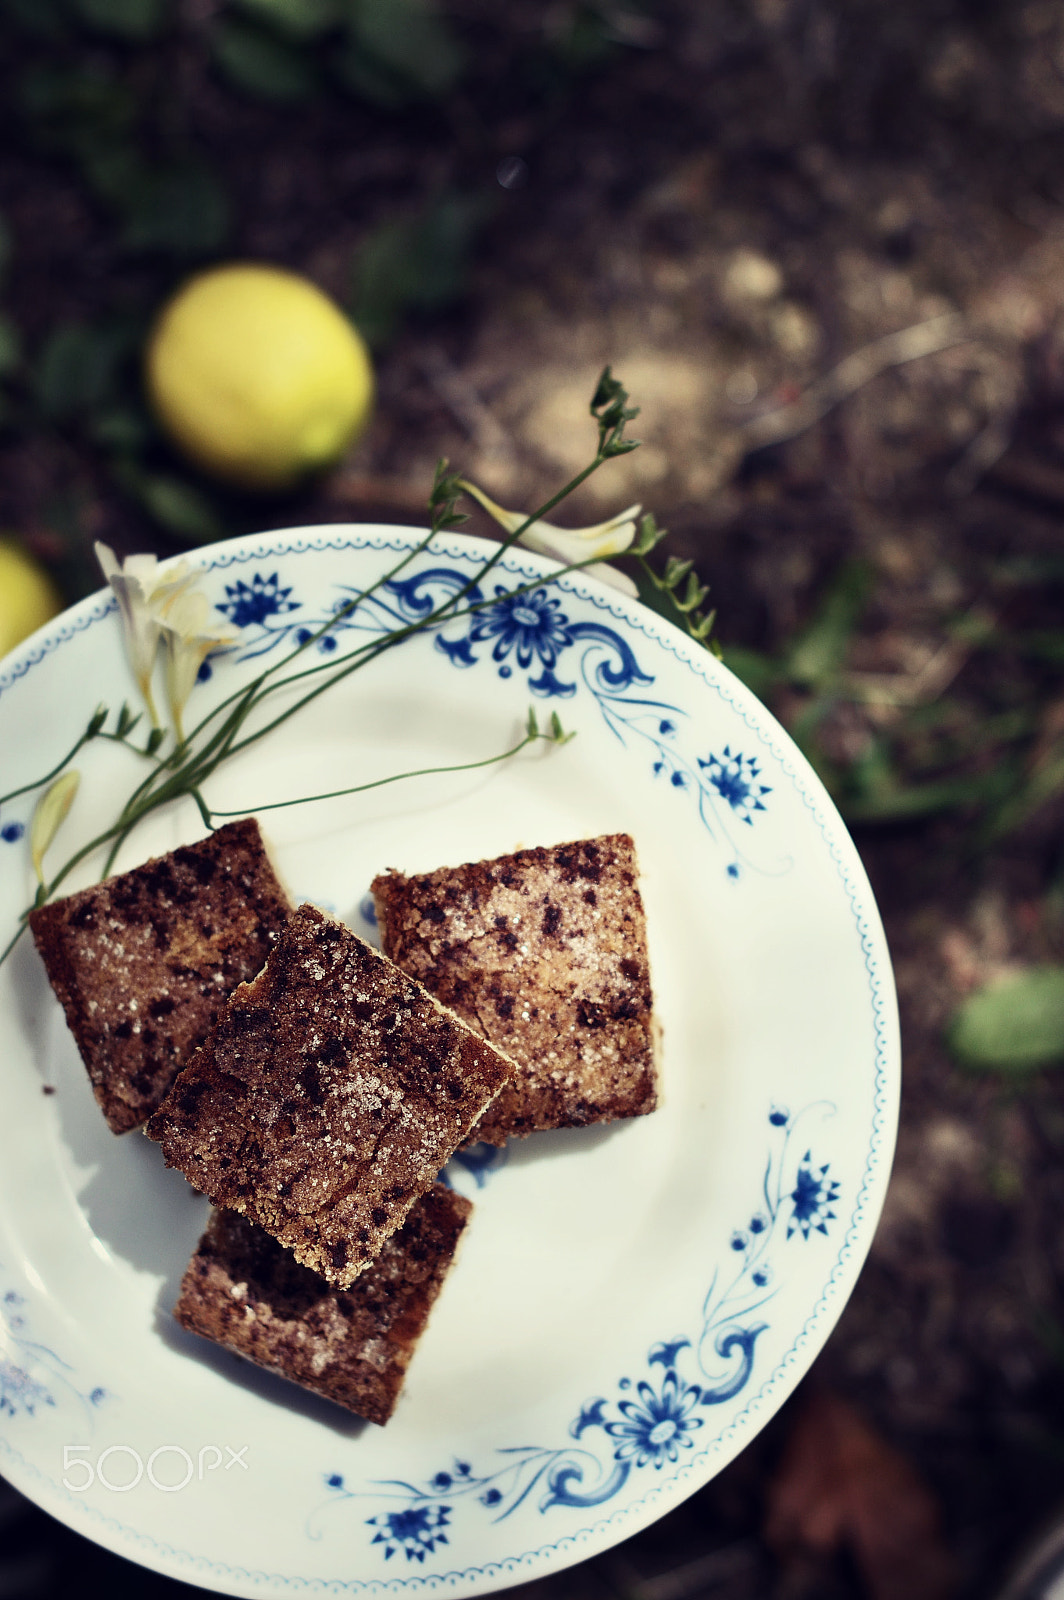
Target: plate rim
pixel 805 1344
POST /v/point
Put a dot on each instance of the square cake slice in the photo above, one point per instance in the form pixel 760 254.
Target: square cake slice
pixel 144 962
pixel 544 952
pixel 328 1097
pixel 245 1291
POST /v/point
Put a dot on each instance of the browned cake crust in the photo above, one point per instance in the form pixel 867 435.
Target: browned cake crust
pixel 328 1097
pixel 246 1292
pixel 144 962
pixel 544 952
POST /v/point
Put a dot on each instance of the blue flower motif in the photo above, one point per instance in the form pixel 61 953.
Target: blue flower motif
pixel 416 1531
pixel 735 778
pixel 656 1427
pixel 326 643
pixel 532 626
pixel 812 1197
pixel 249 605
pixel 481 1161
pixel 20 1392
pixel 11 832
pixel 779 1116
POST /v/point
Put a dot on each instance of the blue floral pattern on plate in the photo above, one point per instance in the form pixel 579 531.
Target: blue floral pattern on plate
pixel 734 775
pixel 32 1375
pixel 524 628
pixel 652 1420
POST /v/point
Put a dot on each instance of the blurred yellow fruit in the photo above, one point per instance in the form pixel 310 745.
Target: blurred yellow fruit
pixel 257 376
pixel 28 597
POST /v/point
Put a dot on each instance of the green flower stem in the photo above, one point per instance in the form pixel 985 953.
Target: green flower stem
pixel 343 611
pixel 376 647
pixel 531 737
pixel 84 739
pixel 363 654
pixel 222 731
pixel 38 783
pixel 610 426
pixel 185 778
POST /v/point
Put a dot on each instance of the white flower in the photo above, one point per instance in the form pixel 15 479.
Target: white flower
pixel 570 545
pixel 143 591
pixel 50 811
pixel 188 642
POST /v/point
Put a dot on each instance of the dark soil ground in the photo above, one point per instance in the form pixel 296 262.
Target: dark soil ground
pixel 726 200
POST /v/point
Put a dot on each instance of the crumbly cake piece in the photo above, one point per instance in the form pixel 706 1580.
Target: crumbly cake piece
pixel 544 952
pixel 328 1097
pixel 245 1291
pixel 145 961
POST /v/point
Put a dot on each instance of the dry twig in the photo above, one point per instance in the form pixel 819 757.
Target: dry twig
pixel 851 374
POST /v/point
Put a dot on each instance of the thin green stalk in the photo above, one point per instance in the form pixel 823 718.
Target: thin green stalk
pixel 224 730
pixel 375 647
pixel 347 609
pixel 39 783
pixel 369 651
pixel 532 737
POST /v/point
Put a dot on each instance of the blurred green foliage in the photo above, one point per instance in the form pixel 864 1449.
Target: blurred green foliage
pixel 948 753
pixel 415 263
pixel 102 92
pixel 1013 1025
pixel 985 748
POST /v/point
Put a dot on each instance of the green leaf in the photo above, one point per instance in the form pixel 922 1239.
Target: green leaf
pixel 360 75
pixel 73 107
pixel 180 210
pixel 650 536
pixel 759 672
pixel 77 368
pixel 584 38
pixel 296 19
pixel 176 504
pixel 122 428
pixel 398 50
pixel 418 263
pixel 817 654
pixel 1045 782
pixel 898 802
pixel 125 19
pixel 262 65
pixel 1013 1025
pixel 653 596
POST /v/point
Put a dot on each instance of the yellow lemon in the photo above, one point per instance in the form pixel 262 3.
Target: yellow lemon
pixel 258 376
pixel 28 597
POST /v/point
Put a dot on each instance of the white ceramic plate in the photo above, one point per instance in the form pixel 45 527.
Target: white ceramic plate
pixel 631 1303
